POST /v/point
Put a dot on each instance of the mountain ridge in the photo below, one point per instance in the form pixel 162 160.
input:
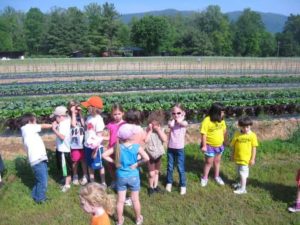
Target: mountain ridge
pixel 274 22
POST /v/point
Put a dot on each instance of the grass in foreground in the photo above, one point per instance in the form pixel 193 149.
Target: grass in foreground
pixel 271 189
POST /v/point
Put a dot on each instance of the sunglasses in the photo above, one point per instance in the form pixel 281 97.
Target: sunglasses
pixel 178 113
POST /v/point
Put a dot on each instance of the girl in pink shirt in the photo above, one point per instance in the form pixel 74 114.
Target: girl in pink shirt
pixel 117 113
pixel 177 127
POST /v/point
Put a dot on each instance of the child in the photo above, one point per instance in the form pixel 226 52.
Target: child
pixel 296 207
pixel 37 155
pixel 94 126
pixel 244 145
pixel 154 147
pixel 77 135
pixel 127 173
pixel 134 117
pixel 94 200
pixel 213 135
pixel 61 126
pixel 176 147
pixel 117 113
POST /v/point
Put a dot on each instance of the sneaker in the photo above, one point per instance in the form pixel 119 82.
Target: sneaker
pixel 158 190
pixel 240 191
pixel 75 182
pixel 151 191
pixel 140 220
pixel 65 188
pixel 182 190
pixel 294 208
pixel 219 181
pixel 236 185
pixel 203 182
pixel 128 202
pixel 83 181
pixel 169 187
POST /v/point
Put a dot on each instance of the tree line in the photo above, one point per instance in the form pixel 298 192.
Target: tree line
pixel 98 28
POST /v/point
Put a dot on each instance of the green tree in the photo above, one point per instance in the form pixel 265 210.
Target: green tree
pixel 15 24
pixel 34 30
pixel 289 40
pixel 248 34
pixel 6 43
pixel 150 33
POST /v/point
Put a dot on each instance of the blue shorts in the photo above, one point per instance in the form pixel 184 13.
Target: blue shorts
pixel 94 163
pixel 132 183
pixel 213 151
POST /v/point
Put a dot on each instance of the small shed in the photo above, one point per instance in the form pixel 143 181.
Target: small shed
pixel 12 55
pixel 132 51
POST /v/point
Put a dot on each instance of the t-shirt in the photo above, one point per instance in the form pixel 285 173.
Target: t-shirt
pixel 100 220
pixel 33 143
pixel 113 131
pixel 154 147
pixel 177 136
pixel 128 157
pixel 64 128
pixel 243 144
pixel 214 131
pixel 94 124
pixel 77 135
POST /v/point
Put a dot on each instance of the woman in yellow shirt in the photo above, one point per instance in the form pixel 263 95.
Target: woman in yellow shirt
pixel 213 136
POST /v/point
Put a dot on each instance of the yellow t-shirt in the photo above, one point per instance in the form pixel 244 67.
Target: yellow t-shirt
pixel 214 131
pixel 242 145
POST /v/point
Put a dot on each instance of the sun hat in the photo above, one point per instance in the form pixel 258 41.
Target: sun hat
pixel 94 101
pixel 59 111
pixel 126 131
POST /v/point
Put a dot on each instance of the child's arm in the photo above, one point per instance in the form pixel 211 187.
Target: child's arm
pixel 107 155
pixel 73 116
pixel 55 130
pixel 203 143
pixel 253 155
pixel 148 132
pixel 46 126
pixel 145 158
pixel 163 137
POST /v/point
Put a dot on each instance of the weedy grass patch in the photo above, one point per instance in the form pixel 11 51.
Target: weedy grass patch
pixel 271 189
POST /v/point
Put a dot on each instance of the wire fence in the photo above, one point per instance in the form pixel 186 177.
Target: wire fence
pixel 241 66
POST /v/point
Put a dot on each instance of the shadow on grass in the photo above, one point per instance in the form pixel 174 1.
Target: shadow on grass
pixel 279 192
pixel 24 171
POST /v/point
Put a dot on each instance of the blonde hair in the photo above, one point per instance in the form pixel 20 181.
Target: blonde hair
pixel 95 194
pixel 95 111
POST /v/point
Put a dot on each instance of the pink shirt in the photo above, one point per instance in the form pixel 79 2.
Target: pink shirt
pixel 113 131
pixel 177 136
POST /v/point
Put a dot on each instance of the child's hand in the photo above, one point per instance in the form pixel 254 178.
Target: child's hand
pixel 134 166
pixel 94 153
pixel 204 148
pixel 156 127
pixel 150 127
pixel 252 162
pixel 54 125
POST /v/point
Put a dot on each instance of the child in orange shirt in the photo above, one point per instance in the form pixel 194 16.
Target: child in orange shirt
pixel 94 200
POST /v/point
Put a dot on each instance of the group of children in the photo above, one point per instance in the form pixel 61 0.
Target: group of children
pixel 129 146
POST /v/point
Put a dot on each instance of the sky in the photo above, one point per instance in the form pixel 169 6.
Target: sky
pixel 285 7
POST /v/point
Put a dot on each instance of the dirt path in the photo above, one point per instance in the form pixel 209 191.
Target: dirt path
pixel 12 146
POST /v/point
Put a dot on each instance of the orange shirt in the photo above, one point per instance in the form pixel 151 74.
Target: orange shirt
pixel 101 220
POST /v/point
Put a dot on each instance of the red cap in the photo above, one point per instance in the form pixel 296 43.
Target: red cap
pixel 94 101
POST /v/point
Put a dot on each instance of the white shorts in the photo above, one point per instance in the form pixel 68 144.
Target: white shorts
pixel 243 171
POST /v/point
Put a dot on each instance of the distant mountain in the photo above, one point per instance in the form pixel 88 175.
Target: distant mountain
pixel 273 22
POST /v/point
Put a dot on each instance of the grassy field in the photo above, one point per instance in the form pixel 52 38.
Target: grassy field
pixel 271 190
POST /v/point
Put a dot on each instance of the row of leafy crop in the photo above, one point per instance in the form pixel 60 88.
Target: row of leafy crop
pixel 15 106
pixel 142 84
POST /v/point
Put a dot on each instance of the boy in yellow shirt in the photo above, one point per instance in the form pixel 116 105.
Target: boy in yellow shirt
pixel 244 145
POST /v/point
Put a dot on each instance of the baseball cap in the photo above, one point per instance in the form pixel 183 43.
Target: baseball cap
pixel 126 131
pixel 59 111
pixel 94 101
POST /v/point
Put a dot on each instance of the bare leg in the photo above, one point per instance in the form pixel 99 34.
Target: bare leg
pixel 217 163
pixel 120 205
pixel 207 165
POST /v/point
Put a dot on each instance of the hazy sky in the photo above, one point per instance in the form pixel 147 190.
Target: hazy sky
pixel 285 7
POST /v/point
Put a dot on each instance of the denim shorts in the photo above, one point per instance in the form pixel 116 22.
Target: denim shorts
pixel 213 151
pixel 132 183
